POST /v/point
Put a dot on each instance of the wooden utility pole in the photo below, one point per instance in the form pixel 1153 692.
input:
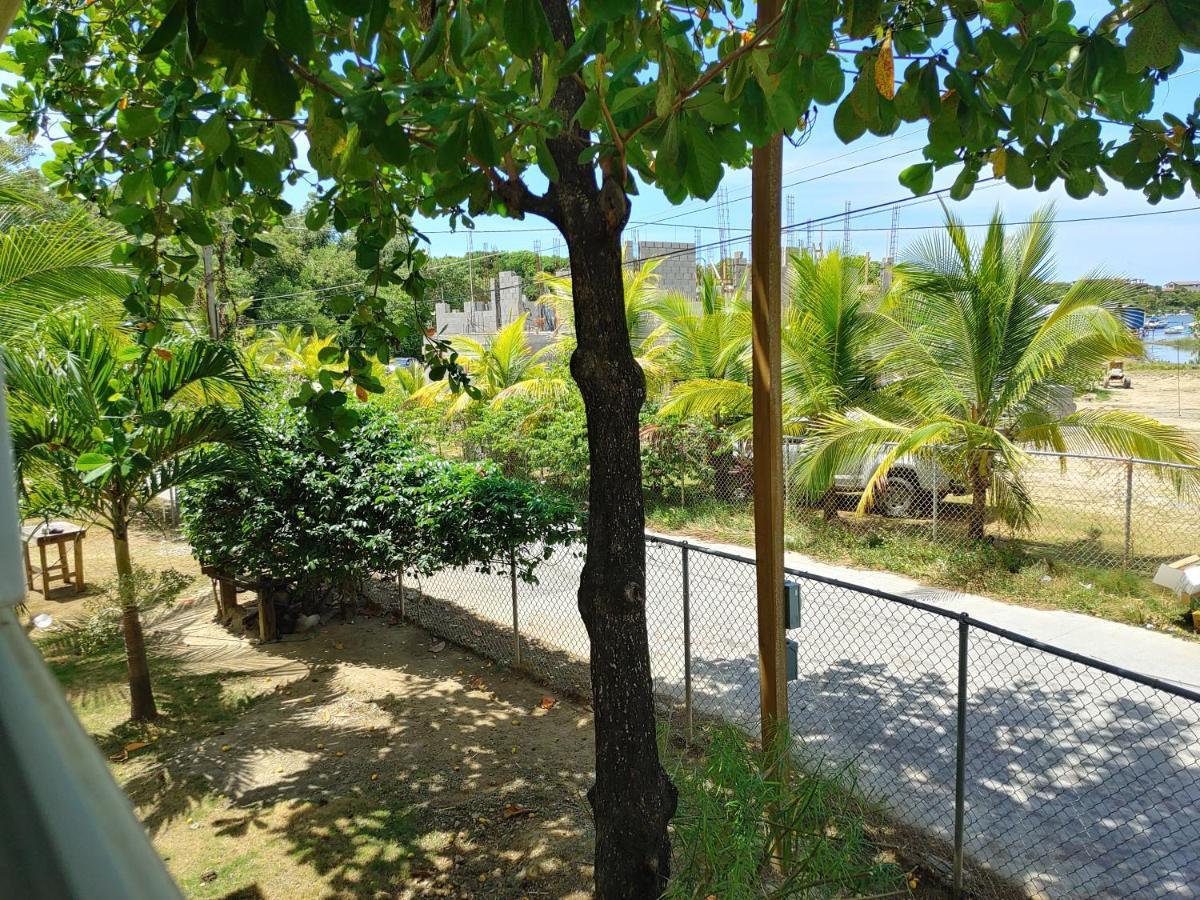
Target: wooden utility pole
pixel 210 296
pixel 766 288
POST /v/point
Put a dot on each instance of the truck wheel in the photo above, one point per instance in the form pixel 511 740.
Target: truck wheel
pixel 901 498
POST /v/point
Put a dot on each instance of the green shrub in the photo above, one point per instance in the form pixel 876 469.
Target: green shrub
pixel 299 516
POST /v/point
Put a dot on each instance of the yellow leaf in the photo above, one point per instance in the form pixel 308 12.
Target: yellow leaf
pixel 547 703
pixel 225 748
pixel 885 69
pixel 999 162
pixel 339 753
pixel 136 745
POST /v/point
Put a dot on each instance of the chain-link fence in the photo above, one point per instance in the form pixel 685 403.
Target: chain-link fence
pixel 1085 510
pixel 1028 764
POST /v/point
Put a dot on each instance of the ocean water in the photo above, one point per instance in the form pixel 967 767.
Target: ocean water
pixel 1158 350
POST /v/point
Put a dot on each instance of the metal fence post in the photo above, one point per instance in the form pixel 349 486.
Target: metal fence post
pixel 936 493
pixel 1128 511
pixel 960 755
pixel 512 574
pixel 687 642
pixel 400 585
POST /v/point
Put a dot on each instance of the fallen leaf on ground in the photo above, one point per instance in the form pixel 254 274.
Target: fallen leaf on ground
pixel 548 703
pixel 225 748
pixel 136 745
pixel 339 647
pixel 119 757
pixel 437 646
pixel 208 877
pixel 477 682
pixel 511 810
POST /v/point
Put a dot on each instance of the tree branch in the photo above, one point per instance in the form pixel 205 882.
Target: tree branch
pixel 717 68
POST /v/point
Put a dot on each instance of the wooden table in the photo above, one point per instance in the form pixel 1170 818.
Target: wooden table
pixel 45 534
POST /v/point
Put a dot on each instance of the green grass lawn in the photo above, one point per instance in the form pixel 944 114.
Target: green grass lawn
pixel 1009 571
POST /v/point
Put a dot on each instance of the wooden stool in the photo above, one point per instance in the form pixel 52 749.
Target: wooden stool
pixel 61 533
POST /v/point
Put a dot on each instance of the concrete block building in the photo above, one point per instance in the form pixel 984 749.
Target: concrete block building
pixel 676 264
pixel 480 319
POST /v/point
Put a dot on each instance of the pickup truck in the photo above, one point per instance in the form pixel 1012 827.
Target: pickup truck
pixel 908 492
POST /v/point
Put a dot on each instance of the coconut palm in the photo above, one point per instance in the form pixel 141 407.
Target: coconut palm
pixel 974 352
pixel 503 368
pixel 641 296
pixel 828 328
pixel 53 256
pixel 108 427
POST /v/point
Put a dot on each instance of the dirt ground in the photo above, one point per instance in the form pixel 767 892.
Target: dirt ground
pixel 151 546
pixel 363 760
pixel 1170 397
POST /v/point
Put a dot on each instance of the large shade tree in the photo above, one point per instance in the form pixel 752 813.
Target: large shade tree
pixel 561 109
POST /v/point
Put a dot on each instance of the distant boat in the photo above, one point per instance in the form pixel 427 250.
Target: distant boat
pixel 1153 322
pixel 1174 329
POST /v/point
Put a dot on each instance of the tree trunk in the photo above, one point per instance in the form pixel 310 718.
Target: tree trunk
pixel 980 477
pixel 141 697
pixel 632 800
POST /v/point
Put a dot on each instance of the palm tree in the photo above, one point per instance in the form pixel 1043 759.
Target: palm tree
pixel 53 256
pixel 109 427
pixel 293 352
pixel 828 328
pixel 503 368
pixel 975 351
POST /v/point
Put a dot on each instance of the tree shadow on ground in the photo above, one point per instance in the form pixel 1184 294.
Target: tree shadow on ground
pixel 1076 783
pixel 381 766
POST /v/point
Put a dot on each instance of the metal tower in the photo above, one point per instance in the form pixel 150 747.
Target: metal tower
pixel 894 234
pixel 790 241
pixel 723 232
pixel 846 231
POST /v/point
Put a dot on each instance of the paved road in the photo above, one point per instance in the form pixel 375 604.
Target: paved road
pixel 1079 783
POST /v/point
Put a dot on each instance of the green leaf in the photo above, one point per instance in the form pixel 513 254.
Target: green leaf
pixel 94 475
pixel 274 88
pixel 861 17
pixel 525 27
pixel 1017 170
pixel 671 157
pixel 157 418
pixel 294 28
pixel 846 122
pixel 828 79
pixel 137 122
pixel 918 178
pixel 461 31
pixel 165 32
pixel 483 138
pixel 89 461
pixel 353 8
pixel 214 135
pixel 1154 43
pixel 587 44
pixel 545 160
pixel 433 40
pixel 260 169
